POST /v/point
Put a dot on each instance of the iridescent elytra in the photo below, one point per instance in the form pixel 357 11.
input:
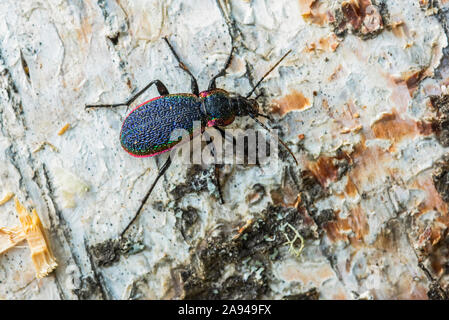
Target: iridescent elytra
pixel 146 131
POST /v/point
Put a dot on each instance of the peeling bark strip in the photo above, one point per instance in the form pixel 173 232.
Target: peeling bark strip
pixel 41 254
pixel 8 196
pixel 9 238
pixel 33 231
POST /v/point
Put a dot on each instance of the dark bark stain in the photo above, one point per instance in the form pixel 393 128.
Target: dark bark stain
pixel 252 248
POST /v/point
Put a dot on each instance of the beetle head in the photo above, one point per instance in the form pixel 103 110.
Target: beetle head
pixel 243 106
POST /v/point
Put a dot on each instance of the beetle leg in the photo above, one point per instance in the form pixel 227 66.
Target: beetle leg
pixel 222 72
pixel 264 116
pixel 216 172
pixel 161 88
pixel 194 83
pixel 160 174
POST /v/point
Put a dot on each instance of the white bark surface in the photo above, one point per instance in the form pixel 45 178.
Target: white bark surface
pixel 352 100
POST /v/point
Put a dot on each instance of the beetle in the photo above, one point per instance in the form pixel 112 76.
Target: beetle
pixel 146 131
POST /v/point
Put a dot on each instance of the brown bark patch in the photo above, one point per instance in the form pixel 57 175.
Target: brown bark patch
pixel 354 228
pixel 392 127
pixel 433 200
pixel 359 224
pixel 352 13
pixel 411 79
pixel 326 44
pixel 350 189
pixel 425 128
pixel 293 101
pixel 398 28
pixel 324 170
pixel 360 16
pixel 370 163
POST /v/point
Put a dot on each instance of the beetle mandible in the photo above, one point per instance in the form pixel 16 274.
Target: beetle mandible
pixel 146 131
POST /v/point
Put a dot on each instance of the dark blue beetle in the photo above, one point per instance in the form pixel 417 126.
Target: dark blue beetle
pixel 147 130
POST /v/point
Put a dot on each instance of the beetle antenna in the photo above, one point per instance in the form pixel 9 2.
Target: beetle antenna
pixel 258 96
pixel 263 115
pixel 266 74
pixel 279 139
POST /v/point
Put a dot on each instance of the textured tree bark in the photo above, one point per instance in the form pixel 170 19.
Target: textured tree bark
pixel 361 101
